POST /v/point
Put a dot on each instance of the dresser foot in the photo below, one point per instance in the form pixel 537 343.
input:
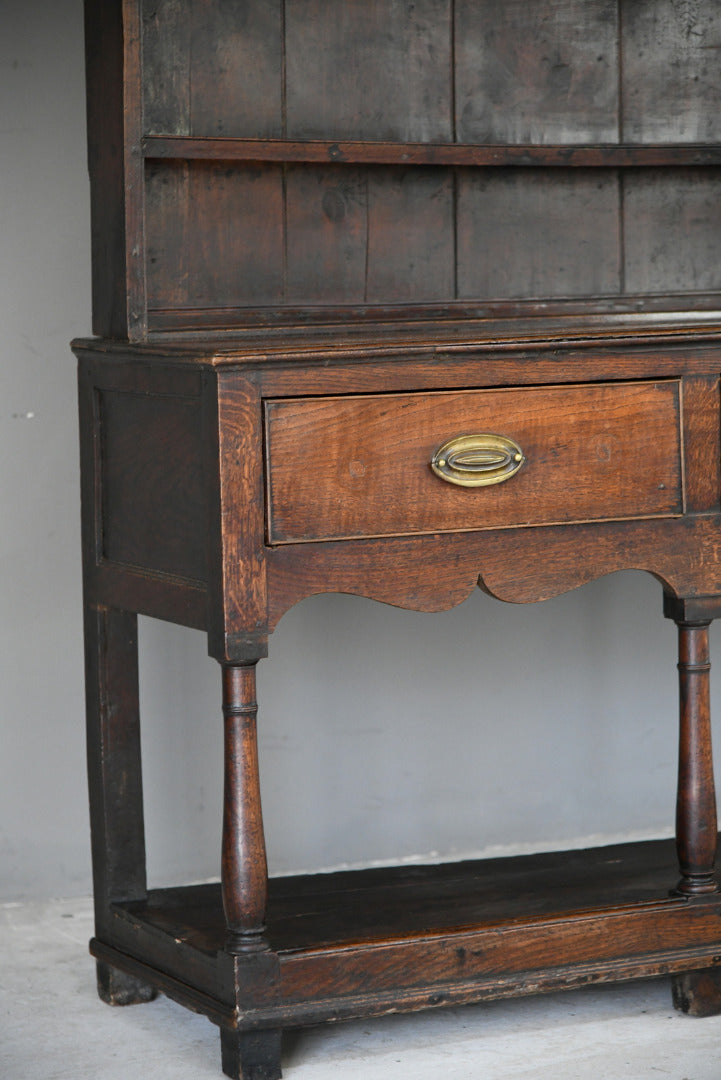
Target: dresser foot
pixel 117 988
pixel 251 1055
pixel 697 993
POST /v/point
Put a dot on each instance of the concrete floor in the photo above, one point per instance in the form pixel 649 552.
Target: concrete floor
pixel 53 1027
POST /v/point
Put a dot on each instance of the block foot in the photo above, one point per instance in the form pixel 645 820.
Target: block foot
pixel 251 1055
pixel 117 988
pixel 698 993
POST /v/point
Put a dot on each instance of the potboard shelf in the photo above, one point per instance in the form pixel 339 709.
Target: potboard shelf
pixel 454 932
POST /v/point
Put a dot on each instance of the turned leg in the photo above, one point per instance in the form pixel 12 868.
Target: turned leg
pixel 114 781
pixel 247 1055
pixel 696 801
pixel 244 866
pixel 697 993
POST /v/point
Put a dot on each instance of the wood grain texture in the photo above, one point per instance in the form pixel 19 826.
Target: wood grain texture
pixel 536 73
pixel 166 58
pixel 215 235
pixel 379 70
pixel 671 220
pixel 238 586
pixel 697 993
pixel 354 237
pixel 363 943
pixel 114 759
pixel 702 451
pixel 105 63
pixel 385 220
pixel 236 68
pixel 349 467
pixel 565 223
pixel 435 573
pixel 353 152
pixel 696 825
pixel 670 86
pixel 244 864
pixel 212 68
pixel 151 484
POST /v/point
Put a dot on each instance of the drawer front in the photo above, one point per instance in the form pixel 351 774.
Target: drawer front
pixel 350 467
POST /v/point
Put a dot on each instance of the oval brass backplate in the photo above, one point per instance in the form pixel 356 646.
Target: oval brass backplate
pixel 477 460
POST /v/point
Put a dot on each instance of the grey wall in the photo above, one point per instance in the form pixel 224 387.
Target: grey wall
pixel 384 734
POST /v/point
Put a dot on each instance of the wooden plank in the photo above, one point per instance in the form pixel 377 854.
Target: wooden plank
pixel 236 235
pixel 324 151
pixel 215 235
pixel 236 67
pixel 670 79
pixel 411 254
pixel 104 65
pixel 536 73
pixel 520 566
pixel 327 227
pixel 702 449
pixel 114 758
pixel 362 943
pixel 232 434
pixel 380 69
pixel 672 222
pixel 527 957
pixel 355 237
pixel 348 907
pixel 166 67
pixel 169 255
pixel 532 233
pixel 232 324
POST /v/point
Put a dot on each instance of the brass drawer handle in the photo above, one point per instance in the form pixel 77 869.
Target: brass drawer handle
pixel 477 460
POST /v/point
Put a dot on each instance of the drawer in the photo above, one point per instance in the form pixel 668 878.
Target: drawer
pixel 361 466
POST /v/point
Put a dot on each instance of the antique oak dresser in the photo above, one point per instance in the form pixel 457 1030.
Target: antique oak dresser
pixel 395 299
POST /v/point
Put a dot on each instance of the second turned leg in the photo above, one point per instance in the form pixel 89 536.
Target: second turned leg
pixel 696 800
pixel 246 1055
pixel 244 865
pixel 697 993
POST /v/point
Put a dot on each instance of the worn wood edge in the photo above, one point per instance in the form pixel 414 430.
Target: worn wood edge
pixel 358 1006
pixel 276 541
pixel 189 996
pixel 263 334
pixel 691 609
pixel 224 324
pixel 370 152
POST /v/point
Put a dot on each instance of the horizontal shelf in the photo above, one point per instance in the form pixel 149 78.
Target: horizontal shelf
pixel 317 151
pixel 363 943
pixel 678 311
pixel 350 908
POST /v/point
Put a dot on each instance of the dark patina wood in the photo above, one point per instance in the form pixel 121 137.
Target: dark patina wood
pixel 323 251
pixel 245 870
pixel 696 805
